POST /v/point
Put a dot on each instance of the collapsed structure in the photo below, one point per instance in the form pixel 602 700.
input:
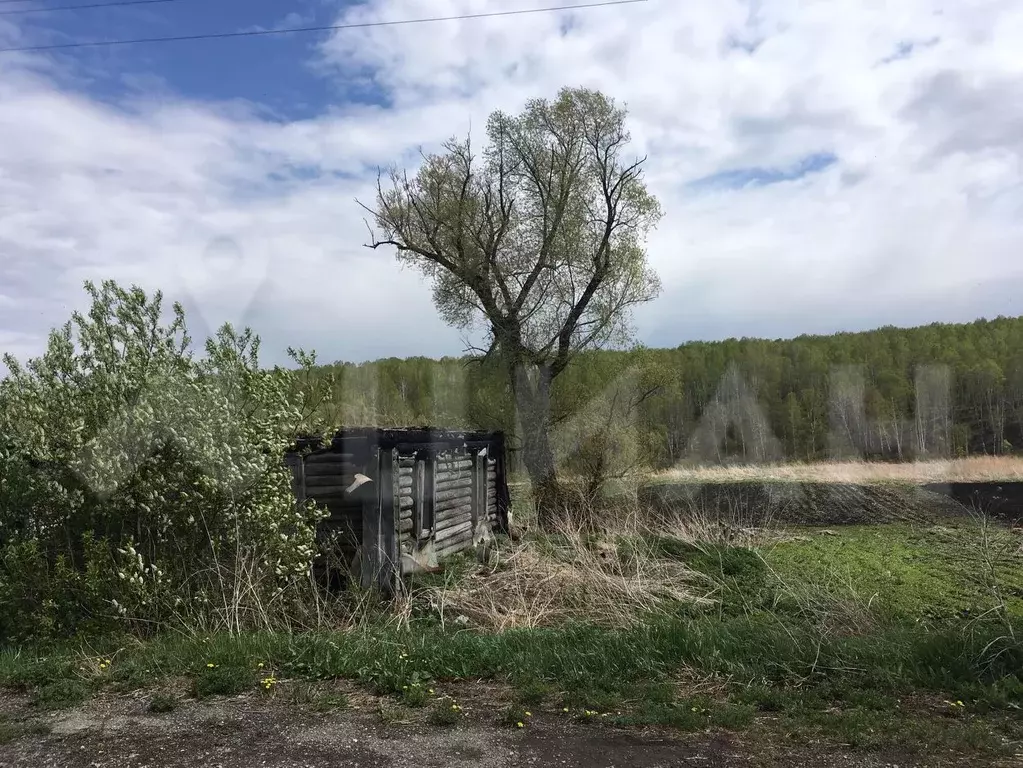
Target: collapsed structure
pixel 401 500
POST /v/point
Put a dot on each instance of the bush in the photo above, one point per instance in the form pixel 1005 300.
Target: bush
pixel 140 487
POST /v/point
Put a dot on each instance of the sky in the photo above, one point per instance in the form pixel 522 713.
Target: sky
pixel 822 165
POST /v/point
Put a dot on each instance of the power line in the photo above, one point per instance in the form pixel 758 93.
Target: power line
pixel 330 28
pixel 52 8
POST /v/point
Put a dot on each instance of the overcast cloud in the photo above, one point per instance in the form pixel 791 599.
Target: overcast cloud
pixel 823 166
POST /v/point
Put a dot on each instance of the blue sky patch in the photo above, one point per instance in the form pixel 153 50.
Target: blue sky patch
pixel 906 47
pixel 740 178
pixel 274 71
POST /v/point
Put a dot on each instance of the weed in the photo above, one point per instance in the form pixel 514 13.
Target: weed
pixel 533 692
pixel 226 680
pixel 161 703
pixel 414 695
pixel 329 702
pixel 731 716
pixel 444 712
pixel 60 694
pixel 515 716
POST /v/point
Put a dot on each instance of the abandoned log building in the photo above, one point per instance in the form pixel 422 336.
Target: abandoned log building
pixel 401 500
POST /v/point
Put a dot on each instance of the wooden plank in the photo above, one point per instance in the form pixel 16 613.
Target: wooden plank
pixel 326 491
pixel 379 528
pixel 418 491
pixel 334 468
pixel 429 495
pixel 479 488
pixel 326 481
pixel 330 457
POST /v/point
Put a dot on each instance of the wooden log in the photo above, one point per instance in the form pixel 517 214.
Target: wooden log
pixel 454 530
pixel 450 483
pixel 406 502
pixel 455 510
pixel 405 482
pixel 454 466
pixel 464 506
pixel 444 507
pixel 454 459
pixel 406 461
pixel 447 523
pixel 454 493
pixel 453 545
pixel 405 525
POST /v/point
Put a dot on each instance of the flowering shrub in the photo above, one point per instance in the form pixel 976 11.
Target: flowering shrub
pixel 140 486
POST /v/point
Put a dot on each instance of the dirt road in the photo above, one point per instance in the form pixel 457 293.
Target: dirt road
pixel 248 732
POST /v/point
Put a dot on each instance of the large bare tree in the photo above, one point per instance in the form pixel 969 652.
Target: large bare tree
pixel 540 239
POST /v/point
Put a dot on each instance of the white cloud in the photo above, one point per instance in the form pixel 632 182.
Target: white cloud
pixel 916 221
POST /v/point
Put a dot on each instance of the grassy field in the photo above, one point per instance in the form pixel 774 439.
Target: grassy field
pixel 897 636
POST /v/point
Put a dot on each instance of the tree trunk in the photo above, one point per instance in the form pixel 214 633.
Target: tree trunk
pixel 532 390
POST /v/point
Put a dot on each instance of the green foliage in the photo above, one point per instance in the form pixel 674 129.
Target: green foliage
pixel 329 702
pixel 12 731
pixel 139 486
pixel 515 716
pixel 223 680
pixel 60 694
pixel 162 703
pixel 445 712
pixel 791 383
pixel 532 692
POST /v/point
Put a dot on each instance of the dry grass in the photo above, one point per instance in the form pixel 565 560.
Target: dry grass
pixel 612 576
pixel 975 469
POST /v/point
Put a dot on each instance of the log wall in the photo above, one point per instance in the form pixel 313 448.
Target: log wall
pixel 432 493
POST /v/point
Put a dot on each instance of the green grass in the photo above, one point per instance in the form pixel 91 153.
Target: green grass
pixel 827 632
pixel 223 680
pixel 12 731
pixel 933 573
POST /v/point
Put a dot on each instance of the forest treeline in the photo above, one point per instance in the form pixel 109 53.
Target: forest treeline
pixel 892 394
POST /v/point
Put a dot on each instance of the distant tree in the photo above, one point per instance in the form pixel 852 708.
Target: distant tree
pixel 540 239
